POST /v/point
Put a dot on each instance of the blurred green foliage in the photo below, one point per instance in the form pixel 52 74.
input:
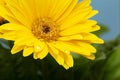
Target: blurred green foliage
pixel 103 30
pixel 105 67
pixel 112 67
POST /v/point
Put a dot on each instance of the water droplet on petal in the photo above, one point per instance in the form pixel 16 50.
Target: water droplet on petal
pixel 37 48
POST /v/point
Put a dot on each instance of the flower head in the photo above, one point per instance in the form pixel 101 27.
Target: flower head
pixel 57 27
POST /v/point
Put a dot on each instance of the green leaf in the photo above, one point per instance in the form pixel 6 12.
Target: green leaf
pixel 112 67
pixel 80 61
pixel 4 44
pixel 103 30
pixel 100 56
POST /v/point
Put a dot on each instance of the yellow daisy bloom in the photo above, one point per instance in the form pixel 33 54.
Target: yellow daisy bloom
pixel 57 27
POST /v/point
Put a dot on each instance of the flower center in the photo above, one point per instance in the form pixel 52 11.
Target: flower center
pixel 45 29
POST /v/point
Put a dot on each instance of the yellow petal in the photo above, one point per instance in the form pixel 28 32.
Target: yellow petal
pixel 57 10
pixel 6 13
pixel 92 57
pixel 43 53
pixel 24 37
pixel 87 26
pixel 19 44
pixel 38 46
pixel 17 48
pixel 67 12
pixel 95 28
pixel 85 45
pixel 29 8
pixel 19 12
pixel 83 4
pixel 39 49
pixel 60 47
pixel 9 36
pixel 86 3
pixel 91 38
pixel 53 48
pixel 2 2
pixel 42 8
pixel 68 60
pixel 84 49
pixel 65 66
pixel 55 53
pixel 64 56
pixel 72 37
pixel 27 51
pixel 91 14
pixel 78 15
pixel 23 40
pixel 12 27
pixel 87 37
pixel 72 47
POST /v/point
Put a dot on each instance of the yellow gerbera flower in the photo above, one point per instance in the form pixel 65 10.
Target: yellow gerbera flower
pixel 55 26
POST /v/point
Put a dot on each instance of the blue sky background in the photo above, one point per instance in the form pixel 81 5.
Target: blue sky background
pixel 109 14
